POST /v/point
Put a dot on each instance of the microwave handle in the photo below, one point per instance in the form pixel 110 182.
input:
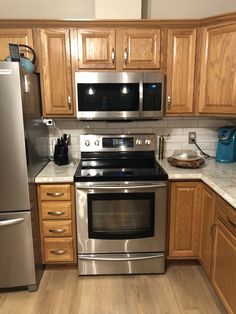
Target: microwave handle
pixel 140 98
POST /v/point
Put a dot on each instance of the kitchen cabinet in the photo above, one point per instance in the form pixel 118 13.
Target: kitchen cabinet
pixel 184 213
pixel 207 228
pixel 57 223
pixel 180 71
pixel 224 257
pixel 56 72
pixel 119 49
pixel 20 36
pixel 217 92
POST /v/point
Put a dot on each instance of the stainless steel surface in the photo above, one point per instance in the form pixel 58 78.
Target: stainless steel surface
pixel 123 78
pixel 9 222
pixel 92 142
pixel 92 186
pixel 24 147
pixel 124 264
pixel 156 243
pixel 16 251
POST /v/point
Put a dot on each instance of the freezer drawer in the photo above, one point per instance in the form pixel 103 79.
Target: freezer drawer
pixel 17 267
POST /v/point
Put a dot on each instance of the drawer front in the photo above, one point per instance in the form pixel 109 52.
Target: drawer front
pixel 54 228
pixel 56 210
pixel 55 192
pixel 58 250
pixel 226 214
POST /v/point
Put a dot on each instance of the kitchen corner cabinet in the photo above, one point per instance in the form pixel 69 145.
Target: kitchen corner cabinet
pixel 16 36
pixel 184 216
pixel 56 72
pixel 57 223
pixel 207 228
pixel 180 71
pixel 218 70
pixel 115 49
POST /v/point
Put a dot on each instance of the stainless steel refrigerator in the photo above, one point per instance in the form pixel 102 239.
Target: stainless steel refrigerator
pixel 23 153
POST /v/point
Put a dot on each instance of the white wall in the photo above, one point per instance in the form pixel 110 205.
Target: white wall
pixel 85 9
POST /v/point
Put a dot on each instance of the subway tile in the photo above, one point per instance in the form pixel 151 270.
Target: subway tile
pixel 108 131
pixel 217 123
pixel 152 124
pixel 122 125
pixel 182 123
pixel 138 131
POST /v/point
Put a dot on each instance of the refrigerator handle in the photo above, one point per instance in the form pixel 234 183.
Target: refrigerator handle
pixel 10 222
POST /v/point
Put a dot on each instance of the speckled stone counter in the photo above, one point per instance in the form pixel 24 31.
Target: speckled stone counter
pixel 218 176
pixel 53 173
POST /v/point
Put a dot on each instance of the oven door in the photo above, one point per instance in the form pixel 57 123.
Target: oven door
pixel 121 217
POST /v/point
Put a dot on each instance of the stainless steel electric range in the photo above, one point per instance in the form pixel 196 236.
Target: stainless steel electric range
pixel 121 197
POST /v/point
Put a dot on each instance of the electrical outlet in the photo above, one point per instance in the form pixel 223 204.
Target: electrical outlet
pixel 191 137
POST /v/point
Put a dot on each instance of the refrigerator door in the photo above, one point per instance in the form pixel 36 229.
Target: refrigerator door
pixel 17 266
pixel 14 194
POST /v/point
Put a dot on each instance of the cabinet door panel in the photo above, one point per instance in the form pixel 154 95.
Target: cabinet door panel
pixel 218 71
pixel 141 49
pixel 184 219
pixel 180 70
pixel 96 49
pixel 56 70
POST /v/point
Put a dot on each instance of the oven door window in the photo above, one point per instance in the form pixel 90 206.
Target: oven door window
pixel 121 215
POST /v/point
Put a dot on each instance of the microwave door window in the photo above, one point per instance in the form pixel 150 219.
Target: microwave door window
pixel 108 97
pixel 152 96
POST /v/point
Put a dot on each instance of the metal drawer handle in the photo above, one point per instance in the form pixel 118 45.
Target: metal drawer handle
pixel 169 102
pixel 69 102
pixel 120 259
pixel 58 252
pixel 56 194
pixel 58 213
pixel 231 222
pixel 57 230
pixel 9 222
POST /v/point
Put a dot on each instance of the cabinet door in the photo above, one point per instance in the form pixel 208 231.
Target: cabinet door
pixel 15 36
pixel 207 224
pixel 141 49
pixel 96 48
pixel 184 219
pixel 56 73
pixel 218 70
pixel 180 70
pixel 224 267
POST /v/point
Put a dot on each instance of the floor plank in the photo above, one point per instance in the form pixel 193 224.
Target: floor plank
pixel 183 289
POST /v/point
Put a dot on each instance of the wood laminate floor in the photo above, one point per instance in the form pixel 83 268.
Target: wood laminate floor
pixel 183 289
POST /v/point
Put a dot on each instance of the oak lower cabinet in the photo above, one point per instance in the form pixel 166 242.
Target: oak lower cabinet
pixel 224 258
pixel 57 223
pixel 56 72
pixel 217 92
pixel 116 49
pixel 184 219
pixel 180 71
pixel 207 228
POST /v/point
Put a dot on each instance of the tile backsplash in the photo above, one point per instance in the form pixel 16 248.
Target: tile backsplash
pixel 176 128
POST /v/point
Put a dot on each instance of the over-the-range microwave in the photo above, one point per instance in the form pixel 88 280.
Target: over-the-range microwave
pixel 119 95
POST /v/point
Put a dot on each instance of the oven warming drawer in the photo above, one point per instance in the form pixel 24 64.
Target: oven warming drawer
pixel 135 263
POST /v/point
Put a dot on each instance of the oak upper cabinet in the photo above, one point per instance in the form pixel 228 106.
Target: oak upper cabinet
pixel 15 36
pixel 218 70
pixel 180 70
pixel 207 228
pixel 56 72
pixel 141 49
pixel 185 208
pixel 224 257
pixel 97 48
pixel 116 49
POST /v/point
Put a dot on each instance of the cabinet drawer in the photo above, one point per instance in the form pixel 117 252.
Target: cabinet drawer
pixel 55 192
pixel 58 250
pixel 53 228
pixel 226 214
pixel 56 210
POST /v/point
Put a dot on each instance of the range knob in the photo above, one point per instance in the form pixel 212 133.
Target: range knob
pixel 148 142
pixel 139 142
pixel 87 143
pixel 96 142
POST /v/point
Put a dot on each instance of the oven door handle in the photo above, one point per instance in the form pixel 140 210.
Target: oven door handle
pixel 113 257
pixel 115 187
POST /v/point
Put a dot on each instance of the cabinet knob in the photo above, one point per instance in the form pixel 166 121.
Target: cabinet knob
pixel 113 56
pixel 125 56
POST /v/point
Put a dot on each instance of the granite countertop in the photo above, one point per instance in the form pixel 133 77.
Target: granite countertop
pixel 53 173
pixel 221 177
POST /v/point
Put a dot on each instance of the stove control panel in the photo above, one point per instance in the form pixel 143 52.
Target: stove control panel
pixel 110 143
